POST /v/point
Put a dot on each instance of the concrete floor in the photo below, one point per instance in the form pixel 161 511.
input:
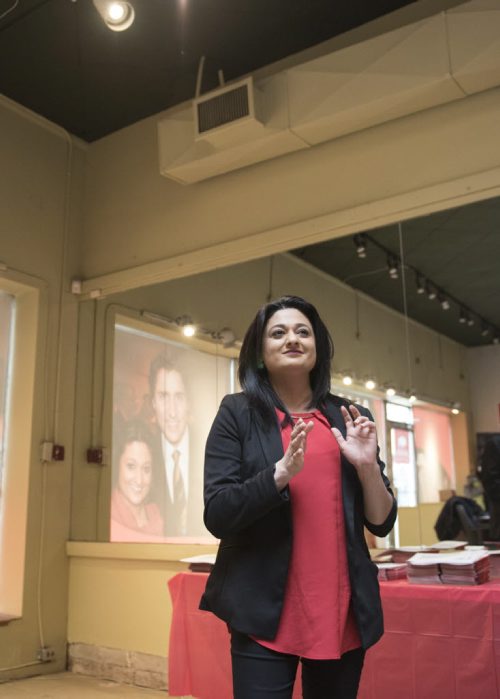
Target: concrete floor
pixel 69 686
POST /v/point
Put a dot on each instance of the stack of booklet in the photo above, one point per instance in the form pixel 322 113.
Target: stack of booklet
pixel 494 557
pixel 460 568
pixel 200 564
pixel 401 554
pixel 391 571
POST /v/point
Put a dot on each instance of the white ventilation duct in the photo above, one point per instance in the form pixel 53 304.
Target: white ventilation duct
pixel 407 70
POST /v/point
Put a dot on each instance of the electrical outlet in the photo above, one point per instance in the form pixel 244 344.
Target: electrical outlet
pixel 57 452
pixel 46 654
pixel 95 455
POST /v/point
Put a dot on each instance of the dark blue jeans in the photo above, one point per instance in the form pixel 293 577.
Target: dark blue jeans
pixel 261 673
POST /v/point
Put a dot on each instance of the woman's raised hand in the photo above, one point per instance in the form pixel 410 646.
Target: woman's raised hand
pixel 360 443
pixel 293 459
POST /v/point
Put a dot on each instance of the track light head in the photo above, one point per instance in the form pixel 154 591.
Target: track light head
pixel 117 15
pixel 445 304
pixel 186 325
pixel 360 243
pixel 393 267
pixel 226 336
pixel 420 283
pixel 431 292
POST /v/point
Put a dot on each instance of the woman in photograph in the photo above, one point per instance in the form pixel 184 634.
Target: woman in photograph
pixel 292 476
pixel 133 517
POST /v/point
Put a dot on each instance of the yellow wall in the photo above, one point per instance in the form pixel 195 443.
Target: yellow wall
pixel 118 595
pixel 135 217
pixel 39 228
pixel 416 524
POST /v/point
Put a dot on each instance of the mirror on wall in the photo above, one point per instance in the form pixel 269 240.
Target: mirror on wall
pixel 405 303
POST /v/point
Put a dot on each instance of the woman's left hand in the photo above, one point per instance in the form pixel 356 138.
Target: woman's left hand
pixel 360 443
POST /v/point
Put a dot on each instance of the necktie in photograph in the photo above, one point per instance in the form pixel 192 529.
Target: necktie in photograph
pixel 180 501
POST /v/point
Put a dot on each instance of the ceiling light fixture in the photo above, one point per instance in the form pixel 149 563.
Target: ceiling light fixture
pixel 463 316
pixel 431 292
pixel 392 266
pixel 455 408
pixel 347 380
pixel 420 284
pixel 186 325
pixel 390 391
pixel 496 339
pixel 117 15
pixel 484 330
pixel 445 304
pixel 226 337
pixel 360 243
pixel 370 384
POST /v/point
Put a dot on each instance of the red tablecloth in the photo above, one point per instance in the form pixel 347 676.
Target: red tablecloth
pixel 441 642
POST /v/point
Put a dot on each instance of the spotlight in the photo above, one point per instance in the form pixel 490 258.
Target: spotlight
pixel 411 396
pixel 463 316
pixel 392 266
pixel 390 391
pixel 347 380
pixel 117 16
pixel 226 336
pixel 420 284
pixel 496 338
pixel 370 384
pixel 484 330
pixel 455 408
pixel 186 325
pixel 360 243
pixel 470 320
pixel 431 291
pixel 445 304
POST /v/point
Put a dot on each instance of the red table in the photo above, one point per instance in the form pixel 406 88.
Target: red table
pixel 441 642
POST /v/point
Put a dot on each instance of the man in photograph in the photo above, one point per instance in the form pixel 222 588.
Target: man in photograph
pixel 178 484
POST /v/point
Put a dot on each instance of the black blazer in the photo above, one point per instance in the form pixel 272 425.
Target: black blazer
pixel 253 520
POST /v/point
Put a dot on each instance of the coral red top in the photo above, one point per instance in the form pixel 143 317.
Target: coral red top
pixel 316 620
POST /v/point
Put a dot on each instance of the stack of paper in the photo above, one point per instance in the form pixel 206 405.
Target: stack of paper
pixel 448 545
pixel 461 568
pixel 400 554
pixel 391 571
pixel 466 568
pixel 423 568
pixel 494 557
pixel 200 564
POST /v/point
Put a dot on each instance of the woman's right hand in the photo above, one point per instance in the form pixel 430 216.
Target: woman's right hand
pixel 293 459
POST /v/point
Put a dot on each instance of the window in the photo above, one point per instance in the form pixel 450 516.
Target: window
pixel 434 453
pixel 19 311
pixel 7 304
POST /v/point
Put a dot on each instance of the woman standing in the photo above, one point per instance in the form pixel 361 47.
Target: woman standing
pixel 291 477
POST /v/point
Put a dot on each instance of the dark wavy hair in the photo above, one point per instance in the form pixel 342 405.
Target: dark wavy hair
pixel 133 431
pixel 252 373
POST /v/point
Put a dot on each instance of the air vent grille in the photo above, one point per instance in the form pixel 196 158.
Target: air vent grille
pixel 223 109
